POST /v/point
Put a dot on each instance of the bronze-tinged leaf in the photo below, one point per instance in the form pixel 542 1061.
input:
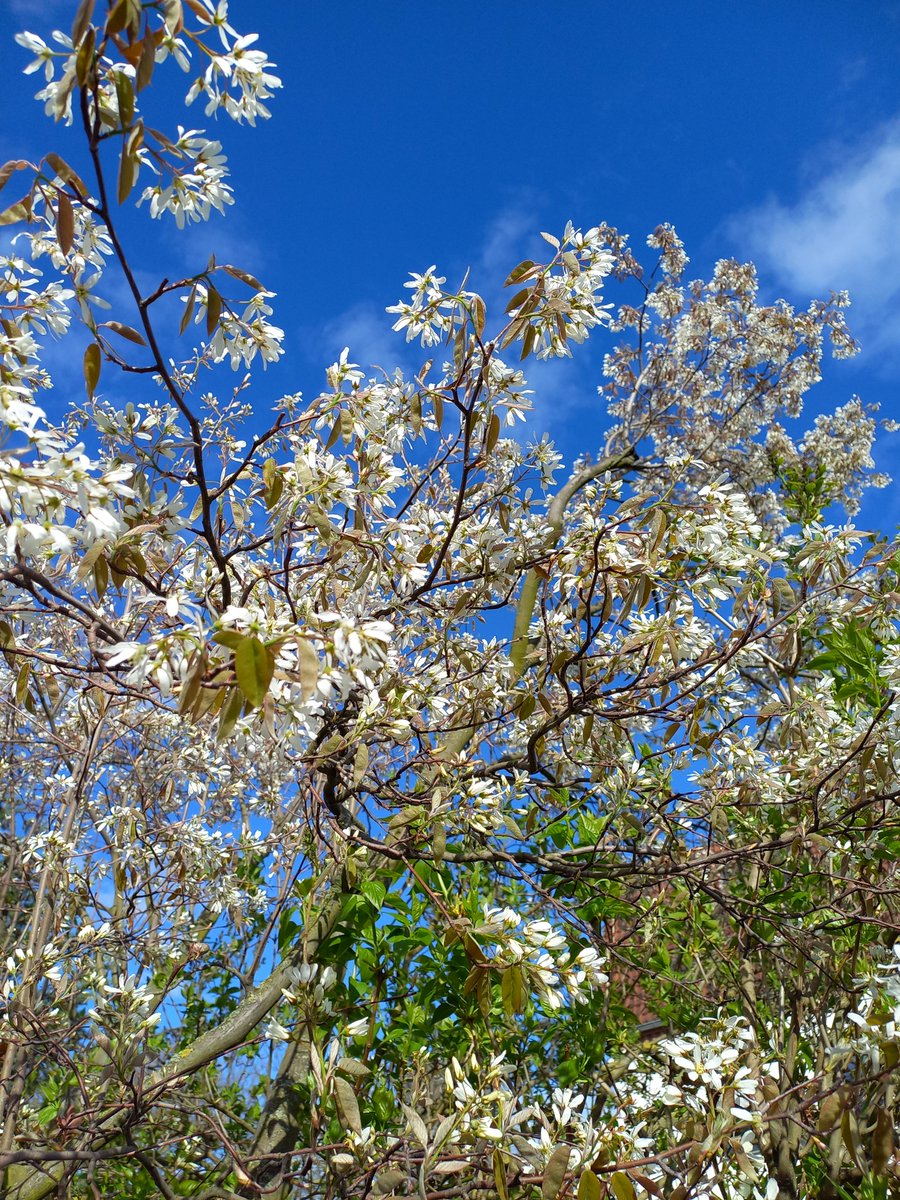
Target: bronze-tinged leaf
pixel 118 16
pixel 124 331
pixel 146 62
pixel 518 299
pixel 882 1142
pixel 84 59
pixel 125 16
pixel 850 1135
pixel 9 169
pixel 353 1067
pixel 555 1172
pixel 20 211
pixel 190 689
pixel 347 1106
pixel 499 1165
pixel 478 314
pixel 388 1181
pixel 417 1126
pixel 243 276
pixel 493 432
pixel 127 175
pixel 174 16
pixel 82 21
pixel 360 763
pixel 101 577
pixel 308 662
pixel 22 682
pixel 65 221
pixel 7 643
pixel 528 342
pixel 91 369
pixel 213 310
pixel 66 173
pixel 335 432
pixel 522 272
pixel 199 11
pixel 254 666
pixel 589 1187
pixel 188 310
pixel 830 1112
pixel 231 710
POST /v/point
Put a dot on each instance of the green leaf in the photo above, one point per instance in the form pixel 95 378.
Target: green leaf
pixel 125 97
pixel 622 1187
pixel 589 1187
pixel 254 665
pixel 360 763
pixel 555 1172
pixel 91 369
pixel 228 637
pixel 374 892
pixel 347 1106
pixel 493 433
pixel 231 710
pixel 512 989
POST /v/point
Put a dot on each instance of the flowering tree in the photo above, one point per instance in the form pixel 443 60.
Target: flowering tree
pixel 388 808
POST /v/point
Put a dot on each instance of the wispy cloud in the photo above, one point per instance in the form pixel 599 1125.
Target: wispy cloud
pixel 366 330
pixel 31 8
pixel 841 235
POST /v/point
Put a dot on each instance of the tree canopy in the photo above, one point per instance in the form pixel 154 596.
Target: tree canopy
pixel 389 807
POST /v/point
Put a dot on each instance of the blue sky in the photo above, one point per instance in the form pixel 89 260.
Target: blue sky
pixel 410 134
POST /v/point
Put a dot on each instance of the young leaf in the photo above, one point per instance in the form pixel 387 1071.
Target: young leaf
pixel 417 1126
pixel 91 367
pixel 124 331
pixel 82 21
pixel 231 710
pixel 213 309
pixel 254 665
pixel 555 1172
pixel 347 1106
pixel 500 1175
pixel 623 1188
pixel 309 667
pixel 589 1187
pixel 65 221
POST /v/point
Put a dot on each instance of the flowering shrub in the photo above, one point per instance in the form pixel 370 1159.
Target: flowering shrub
pixel 387 807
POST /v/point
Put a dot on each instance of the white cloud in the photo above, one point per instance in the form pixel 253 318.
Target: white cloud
pixel 842 236
pixel 366 330
pixel 27 9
